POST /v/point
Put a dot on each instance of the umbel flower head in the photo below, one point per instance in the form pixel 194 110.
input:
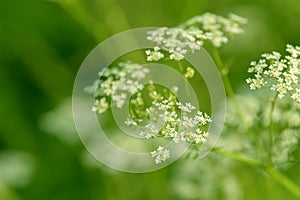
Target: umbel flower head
pixel 192 34
pixel 182 122
pixel 115 83
pixel 190 127
pixel 277 72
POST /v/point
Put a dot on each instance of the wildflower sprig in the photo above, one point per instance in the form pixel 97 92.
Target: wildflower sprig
pixel 273 139
pixel 277 72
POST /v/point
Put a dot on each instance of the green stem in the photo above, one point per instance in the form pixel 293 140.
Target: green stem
pixel 180 67
pixel 271 127
pixel 239 157
pixel 228 87
pixel 227 83
pixel 283 181
pixel 271 171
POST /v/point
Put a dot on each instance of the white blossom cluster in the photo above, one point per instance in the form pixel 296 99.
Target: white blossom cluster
pixel 116 83
pixel 181 121
pixel 280 73
pixel 191 35
pixel 170 118
pixel 185 128
pixel 220 29
pixel 177 41
pixel 160 154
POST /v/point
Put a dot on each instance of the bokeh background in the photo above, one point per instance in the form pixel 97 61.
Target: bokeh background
pixel 42 44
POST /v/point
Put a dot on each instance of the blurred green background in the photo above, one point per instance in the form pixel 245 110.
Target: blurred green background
pixel 42 46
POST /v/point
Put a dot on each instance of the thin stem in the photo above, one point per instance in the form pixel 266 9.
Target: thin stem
pixel 180 67
pixel 284 181
pixel 271 171
pixel 227 84
pixel 239 157
pixel 271 127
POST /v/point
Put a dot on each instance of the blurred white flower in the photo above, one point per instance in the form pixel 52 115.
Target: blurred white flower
pixel 16 168
pixel 119 100
pixel 191 35
pixel 286 120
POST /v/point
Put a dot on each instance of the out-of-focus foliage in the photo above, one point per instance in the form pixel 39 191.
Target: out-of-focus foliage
pixel 43 44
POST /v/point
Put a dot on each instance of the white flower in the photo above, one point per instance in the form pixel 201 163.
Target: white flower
pixel 177 53
pixel 294 51
pixel 188 107
pixel 169 130
pixel 202 118
pixel 154 55
pixel 100 106
pixel 179 137
pixel 280 74
pixel 160 155
pixel 256 83
pixel 200 138
pixel 169 116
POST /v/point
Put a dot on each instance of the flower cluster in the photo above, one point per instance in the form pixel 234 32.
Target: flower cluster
pixel 219 29
pixel 168 117
pixel 160 155
pixel 279 73
pixel 187 127
pixel 191 35
pixel 177 41
pixel 116 83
